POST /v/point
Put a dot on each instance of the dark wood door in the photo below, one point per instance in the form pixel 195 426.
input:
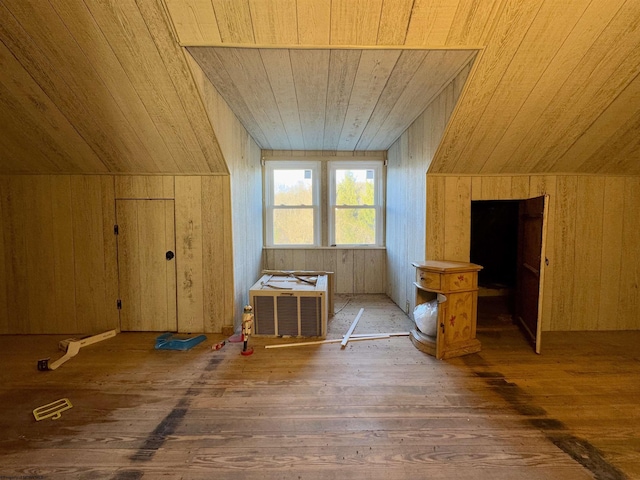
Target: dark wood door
pixel 530 247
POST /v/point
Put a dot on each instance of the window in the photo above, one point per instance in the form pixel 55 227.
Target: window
pixel 302 198
pixel 292 203
pixel 355 203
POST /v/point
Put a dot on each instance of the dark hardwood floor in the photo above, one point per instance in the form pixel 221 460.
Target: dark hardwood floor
pixel 378 409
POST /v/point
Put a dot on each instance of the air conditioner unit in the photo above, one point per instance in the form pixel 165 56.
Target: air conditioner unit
pixel 290 306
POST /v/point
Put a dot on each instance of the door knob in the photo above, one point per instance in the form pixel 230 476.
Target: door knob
pixel 169 255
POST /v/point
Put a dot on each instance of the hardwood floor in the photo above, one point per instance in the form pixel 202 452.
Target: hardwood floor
pixel 378 409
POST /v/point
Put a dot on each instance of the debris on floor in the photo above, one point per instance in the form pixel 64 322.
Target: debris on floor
pixel 346 338
pixel 247 330
pixel 167 341
pixel 72 346
pixel 52 410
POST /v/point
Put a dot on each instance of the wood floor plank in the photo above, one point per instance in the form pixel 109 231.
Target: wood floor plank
pixel 378 409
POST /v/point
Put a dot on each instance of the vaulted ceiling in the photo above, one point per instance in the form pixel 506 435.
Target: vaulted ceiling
pixel 105 85
pixel 320 99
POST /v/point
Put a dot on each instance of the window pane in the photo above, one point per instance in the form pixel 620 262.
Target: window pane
pixel 292 187
pixel 293 226
pixel 355 226
pixel 355 187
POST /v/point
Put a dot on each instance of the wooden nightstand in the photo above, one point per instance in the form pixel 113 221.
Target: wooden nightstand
pixel 457 284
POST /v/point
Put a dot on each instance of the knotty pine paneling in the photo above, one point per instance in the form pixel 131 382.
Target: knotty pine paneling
pixel 186 14
pixel 274 23
pixel 61 148
pixel 591 280
pixel 331 99
pixel 311 82
pixel 217 254
pixel 407 237
pixel 357 270
pixel 35 35
pixel 249 75
pixel 564 256
pixel 239 234
pixel 365 18
pixel 90 41
pixel 278 66
pixel 394 20
pixel 105 87
pixel 399 233
pixel 588 252
pixel 59 255
pixel 144 187
pixel 114 90
pixel 538 52
pixel 189 247
pixel 341 22
pixel 589 219
pixel 314 22
pixel 628 294
pixel 612 244
pixel 430 23
pixel 58 258
pixel 203 256
pixel 218 261
pixel 495 58
pixel 234 21
pixel 596 81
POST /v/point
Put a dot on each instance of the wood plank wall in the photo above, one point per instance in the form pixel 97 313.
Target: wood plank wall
pixel 58 259
pixel 592 279
pixel 204 259
pixel 211 287
pixel 58 271
pixel 591 282
pixel 408 161
pixel 357 270
pixel 242 156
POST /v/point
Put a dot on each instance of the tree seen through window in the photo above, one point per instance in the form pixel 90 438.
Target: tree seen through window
pixel 293 207
pixel 355 213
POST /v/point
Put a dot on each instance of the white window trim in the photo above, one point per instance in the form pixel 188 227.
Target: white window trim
pixel 269 206
pixel 378 167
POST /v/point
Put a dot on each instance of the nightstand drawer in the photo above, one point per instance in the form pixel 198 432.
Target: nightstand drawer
pixel 428 280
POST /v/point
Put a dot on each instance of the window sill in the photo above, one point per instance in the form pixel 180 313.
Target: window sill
pixel 311 247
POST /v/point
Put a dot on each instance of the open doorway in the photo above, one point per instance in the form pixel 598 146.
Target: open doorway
pixel 494 245
pixel 507 239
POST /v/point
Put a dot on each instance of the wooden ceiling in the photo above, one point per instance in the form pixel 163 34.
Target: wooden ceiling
pixel 328 99
pixel 95 87
pixel 104 85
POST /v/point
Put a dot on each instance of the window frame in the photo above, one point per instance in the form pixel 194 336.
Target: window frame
pixel 268 200
pixel 379 198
